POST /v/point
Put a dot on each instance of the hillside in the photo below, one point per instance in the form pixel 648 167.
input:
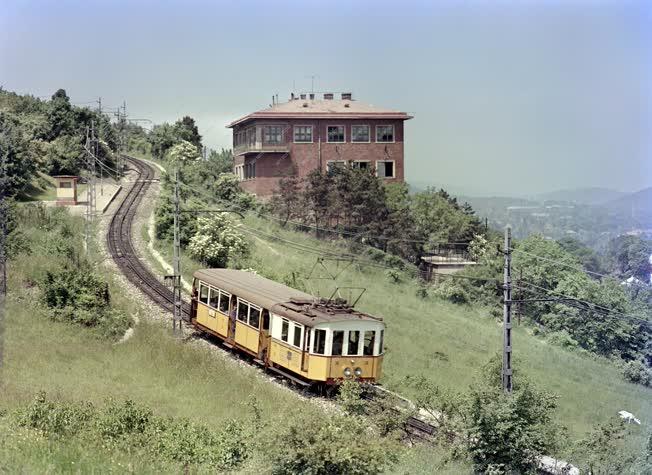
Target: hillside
pixel 444 342
pixel 637 206
pixel 585 196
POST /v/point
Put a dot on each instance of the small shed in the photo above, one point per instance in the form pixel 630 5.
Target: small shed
pixel 66 189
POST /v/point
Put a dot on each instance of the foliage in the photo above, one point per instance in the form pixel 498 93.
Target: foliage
pixel 81 296
pixel 605 450
pixel 220 162
pixel 630 256
pixel 342 444
pixel 64 156
pixel 128 426
pixel 17 161
pixel 184 152
pixel 217 240
pixel 286 200
pixel 636 372
pixel 165 136
pixel 452 290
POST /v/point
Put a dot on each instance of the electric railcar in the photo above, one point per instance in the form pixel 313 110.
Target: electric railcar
pixel 308 340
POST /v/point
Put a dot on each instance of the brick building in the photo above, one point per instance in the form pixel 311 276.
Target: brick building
pixel 295 137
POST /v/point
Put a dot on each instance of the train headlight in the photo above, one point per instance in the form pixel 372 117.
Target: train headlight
pixel 347 372
pixel 358 372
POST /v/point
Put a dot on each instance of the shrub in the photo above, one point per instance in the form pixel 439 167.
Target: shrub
pixel 393 276
pixel 342 444
pixel 217 240
pixel 636 372
pixel 562 338
pixel 55 418
pixel 453 291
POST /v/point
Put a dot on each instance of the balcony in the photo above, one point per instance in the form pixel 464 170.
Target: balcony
pixel 259 147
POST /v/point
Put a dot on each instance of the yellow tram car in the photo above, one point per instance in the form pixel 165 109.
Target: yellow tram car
pixel 309 340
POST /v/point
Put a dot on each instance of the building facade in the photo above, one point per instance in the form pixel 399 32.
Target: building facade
pixel 308 133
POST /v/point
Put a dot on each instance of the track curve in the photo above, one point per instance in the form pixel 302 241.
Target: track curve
pixel 119 242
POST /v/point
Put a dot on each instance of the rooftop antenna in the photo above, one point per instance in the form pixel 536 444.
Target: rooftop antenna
pixel 312 83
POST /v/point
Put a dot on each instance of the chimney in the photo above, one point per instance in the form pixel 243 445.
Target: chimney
pixel 291 96
pixel 312 96
pixel 303 97
pixel 328 96
pixel 347 96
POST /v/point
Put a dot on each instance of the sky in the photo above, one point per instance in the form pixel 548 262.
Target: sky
pixel 508 98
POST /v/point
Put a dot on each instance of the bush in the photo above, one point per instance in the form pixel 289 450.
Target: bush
pixel 217 240
pixel 393 276
pixel 636 372
pixel 562 338
pixel 342 444
pixel 453 291
pixel 55 418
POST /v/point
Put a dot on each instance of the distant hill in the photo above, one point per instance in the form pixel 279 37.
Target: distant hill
pixel 637 206
pixel 585 196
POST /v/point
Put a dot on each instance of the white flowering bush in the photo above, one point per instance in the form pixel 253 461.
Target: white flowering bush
pixel 480 249
pixel 217 240
pixel 184 152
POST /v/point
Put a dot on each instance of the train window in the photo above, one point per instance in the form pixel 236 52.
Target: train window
pixel 354 342
pixel 298 333
pixel 215 298
pixel 203 293
pixel 243 311
pixel 285 330
pixel 338 342
pixel 319 341
pixel 380 342
pixel 369 339
pixel 265 320
pixel 224 302
pixel 254 317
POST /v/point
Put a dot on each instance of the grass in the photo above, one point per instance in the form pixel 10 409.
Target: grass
pixel 174 377
pixel 449 343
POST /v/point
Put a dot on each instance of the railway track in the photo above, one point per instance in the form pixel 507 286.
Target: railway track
pixel 120 246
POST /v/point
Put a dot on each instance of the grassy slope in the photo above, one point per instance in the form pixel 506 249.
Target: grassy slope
pixel 449 343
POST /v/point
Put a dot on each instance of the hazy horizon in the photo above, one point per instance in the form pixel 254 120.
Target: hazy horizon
pixel 508 98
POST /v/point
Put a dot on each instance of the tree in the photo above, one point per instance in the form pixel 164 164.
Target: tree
pixel 17 163
pixel 60 116
pixel 162 138
pixel 184 152
pixel 508 432
pixel 631 256
pixel 286 200
pixel 187 130
pixel 220 162
pixel 217 240
pixel 64 156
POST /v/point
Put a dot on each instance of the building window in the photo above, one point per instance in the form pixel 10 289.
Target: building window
pixel 303 133
pixel 250 171
pixel 333 165
pixel 360 133
pixel 335 133
pixel 273 134
pixel 354 341
pixel 385 168
pixel 338 343
pixel 384 133
pixel 318 341
pixel 361 165
pixel 65 184
pixel 251 136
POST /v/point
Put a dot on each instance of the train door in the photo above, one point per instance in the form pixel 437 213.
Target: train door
pixel 264 338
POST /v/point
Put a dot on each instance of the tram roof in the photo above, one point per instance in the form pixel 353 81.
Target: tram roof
pixel 279 298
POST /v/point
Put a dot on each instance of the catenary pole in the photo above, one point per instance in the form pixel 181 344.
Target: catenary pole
pixel 176 260
pixel 507 313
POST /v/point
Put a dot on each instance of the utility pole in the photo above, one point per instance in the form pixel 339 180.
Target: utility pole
pixel 90 185
pixel 176 260
pixel 507 313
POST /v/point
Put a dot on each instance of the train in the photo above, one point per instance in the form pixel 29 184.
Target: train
pixel 311 341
